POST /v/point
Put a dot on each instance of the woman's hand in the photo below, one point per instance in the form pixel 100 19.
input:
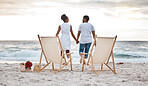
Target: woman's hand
pixel 56 35
pixel 77 41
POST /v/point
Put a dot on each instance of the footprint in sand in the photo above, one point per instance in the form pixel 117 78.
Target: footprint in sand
pixel 21 77
pixel 35 81
pixel 1 84
pixel 49 80
pixel 86 79
pixel 123 80
pixel 6 75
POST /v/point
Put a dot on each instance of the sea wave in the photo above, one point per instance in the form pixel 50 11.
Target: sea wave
pixel 22 53
pixel 36 53
pixel 131 55
pixel 31 50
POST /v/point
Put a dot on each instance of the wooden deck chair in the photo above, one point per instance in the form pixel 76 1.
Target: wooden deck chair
pixel 50 50
pixel 102 53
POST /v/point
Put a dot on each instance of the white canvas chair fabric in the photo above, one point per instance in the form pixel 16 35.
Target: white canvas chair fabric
pixel 102 50
pixel 102 53
pixel 50 47
pixel 50 50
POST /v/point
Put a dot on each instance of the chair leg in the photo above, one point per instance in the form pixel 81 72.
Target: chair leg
pixel 93 69
pixel 109 57
pixel 83 64
pixel 60 66
pixel 45 66
pixel 52 65
pixel 64 58
pixel 101 66
pixel 71 65
pixel 40 60
pixel 71 62
pixel 110 68
pixel 113 61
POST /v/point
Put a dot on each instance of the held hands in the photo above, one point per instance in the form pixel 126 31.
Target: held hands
pixel 77 41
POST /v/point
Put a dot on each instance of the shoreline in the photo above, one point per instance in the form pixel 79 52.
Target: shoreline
pixel 117 60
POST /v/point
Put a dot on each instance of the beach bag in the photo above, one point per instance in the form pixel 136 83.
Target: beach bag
pixel 36 68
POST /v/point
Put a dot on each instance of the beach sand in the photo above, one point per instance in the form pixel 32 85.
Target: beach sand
pixel 129 74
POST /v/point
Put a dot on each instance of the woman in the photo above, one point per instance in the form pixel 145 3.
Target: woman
pixel 65 29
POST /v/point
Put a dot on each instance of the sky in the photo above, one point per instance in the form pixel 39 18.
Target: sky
pixel 25 19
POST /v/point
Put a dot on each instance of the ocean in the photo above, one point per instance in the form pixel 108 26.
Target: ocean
pixel 124 51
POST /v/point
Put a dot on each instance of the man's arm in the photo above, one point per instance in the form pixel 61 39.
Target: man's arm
pixel 78 35
pixel 93 33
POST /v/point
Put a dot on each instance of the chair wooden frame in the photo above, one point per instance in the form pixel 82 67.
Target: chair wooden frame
pixel 49 62
pixel 106 63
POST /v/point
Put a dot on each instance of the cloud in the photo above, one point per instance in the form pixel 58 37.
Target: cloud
pixel 130 9
pixel 120 3
pixel 132 14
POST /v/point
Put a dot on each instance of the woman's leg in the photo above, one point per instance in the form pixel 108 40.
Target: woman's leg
pixel 61 53
pixel 63 57
pixel 67 51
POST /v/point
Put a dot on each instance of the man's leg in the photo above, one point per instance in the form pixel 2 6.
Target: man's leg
pixel 81 49
pixel 87 47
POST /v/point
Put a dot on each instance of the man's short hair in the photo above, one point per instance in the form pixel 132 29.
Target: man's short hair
pixel 86 17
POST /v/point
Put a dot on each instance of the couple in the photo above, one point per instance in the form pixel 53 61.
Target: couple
pixel 85 30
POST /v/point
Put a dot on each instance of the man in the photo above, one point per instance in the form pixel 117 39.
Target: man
pixel 86 30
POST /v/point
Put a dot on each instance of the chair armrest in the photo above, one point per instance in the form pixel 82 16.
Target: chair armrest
pixel 70 53
pixel 84 53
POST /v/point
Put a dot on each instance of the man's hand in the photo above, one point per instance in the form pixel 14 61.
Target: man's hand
pixel 78 35
pixel 95 42
pixel 77 41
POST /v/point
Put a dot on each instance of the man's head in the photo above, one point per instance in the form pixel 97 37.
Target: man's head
pixel 85 18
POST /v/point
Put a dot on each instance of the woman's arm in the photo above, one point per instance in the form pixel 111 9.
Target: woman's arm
pixel 59 28
pixel 72 33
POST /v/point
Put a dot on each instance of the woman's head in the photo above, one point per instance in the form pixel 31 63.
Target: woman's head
pixel 64 18
pixel 85 18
